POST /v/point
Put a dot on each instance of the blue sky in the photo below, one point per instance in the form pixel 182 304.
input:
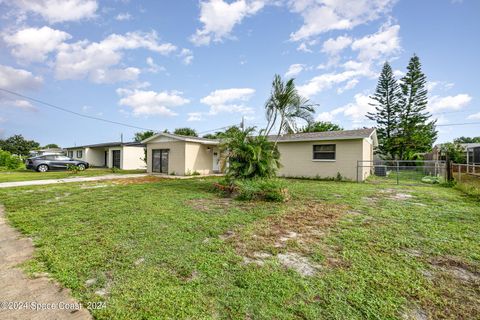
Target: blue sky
pixel 205 64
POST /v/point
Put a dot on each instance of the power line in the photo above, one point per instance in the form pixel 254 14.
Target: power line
pixel 456 124
pixel 72 112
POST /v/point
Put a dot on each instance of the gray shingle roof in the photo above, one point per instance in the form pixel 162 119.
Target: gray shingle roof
pixel 328 135
pixel 109 144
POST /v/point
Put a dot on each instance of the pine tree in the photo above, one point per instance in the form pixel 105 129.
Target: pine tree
pixel 417 134
pixel 386 115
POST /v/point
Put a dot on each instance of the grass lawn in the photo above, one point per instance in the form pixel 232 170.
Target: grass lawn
pixel 337 250
pixel 25 175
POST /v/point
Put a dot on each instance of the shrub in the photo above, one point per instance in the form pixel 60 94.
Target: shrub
pixel 245 156
pixel 114 169
pixel 9 161
pixel 255 189
pixel 73 168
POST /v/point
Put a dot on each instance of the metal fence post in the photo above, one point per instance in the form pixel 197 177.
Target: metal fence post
pixel 398 171
pixel 357 169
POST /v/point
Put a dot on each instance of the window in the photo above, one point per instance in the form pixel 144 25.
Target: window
pixel 79 153
pixel 62 158
pixel 324 152
pixel 70 154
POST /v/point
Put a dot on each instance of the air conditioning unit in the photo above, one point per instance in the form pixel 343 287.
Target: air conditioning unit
pixel 381 171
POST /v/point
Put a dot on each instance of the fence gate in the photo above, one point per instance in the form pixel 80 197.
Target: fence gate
pixel 408 172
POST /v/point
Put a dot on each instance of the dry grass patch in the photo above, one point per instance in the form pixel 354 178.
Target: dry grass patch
pixel 291 237
pixel 218 205
pixel 139 180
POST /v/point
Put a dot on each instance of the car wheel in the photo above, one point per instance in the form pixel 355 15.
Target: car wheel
pixel 42 168
pixel 81 167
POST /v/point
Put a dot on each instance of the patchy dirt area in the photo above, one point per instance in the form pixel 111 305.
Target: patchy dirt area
pixel 291 237
pixel 457 282
pixel 217 205
pixel 17 288
pixel 139 180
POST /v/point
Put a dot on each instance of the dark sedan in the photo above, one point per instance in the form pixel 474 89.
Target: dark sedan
pixel 54 162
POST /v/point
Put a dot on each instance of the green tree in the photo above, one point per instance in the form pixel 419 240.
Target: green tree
pixel 453 152
pixel 221 134
pixel 18 145
pixel 248 156
pixel 9 161
pixel 186 132
pixel 140 136
pixel 321 126
pixel 416 133
pixel 287 106
pixel 51 146
pixel 387 98
pixel 467 140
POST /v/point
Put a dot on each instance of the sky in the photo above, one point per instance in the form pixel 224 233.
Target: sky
pixel 206 64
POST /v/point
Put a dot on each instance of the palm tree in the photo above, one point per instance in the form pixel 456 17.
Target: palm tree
pixel 287 105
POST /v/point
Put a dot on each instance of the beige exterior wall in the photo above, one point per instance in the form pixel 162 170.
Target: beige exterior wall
pixel 176 156
pixel 297 159
pixel 133 158
pixel 95 157
pixel 198 157
pixel 367 168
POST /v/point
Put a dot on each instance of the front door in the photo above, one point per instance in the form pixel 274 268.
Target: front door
pixel 160 160
pixel 116 158
pixel 216 159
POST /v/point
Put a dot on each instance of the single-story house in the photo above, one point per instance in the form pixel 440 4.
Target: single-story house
pixel 315 154
pixel 182 155
pixel 325 154
pixel 122 155
pixel 473 154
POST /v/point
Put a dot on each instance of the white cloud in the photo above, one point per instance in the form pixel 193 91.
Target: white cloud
pixel 355 111
pixel 378 45
pixel 349 85
pixel 320 16
pixel 59 10
pixel 18 79
pixel 294 70
pixel 123 16
pixel 334 46
pixel 150 102
pixel 475 116
pixel 186 55
pixel 229 100
pixel 457 102
pixel 220 17
pixel 34 44
pixel 154 68
pixel 326 81
pixel 195 116
pixel 96 59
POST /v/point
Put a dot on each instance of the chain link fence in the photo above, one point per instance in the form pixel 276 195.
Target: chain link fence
pixel 408 172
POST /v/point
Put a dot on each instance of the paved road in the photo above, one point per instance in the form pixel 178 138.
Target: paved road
pixel 67 180
pixel 20 296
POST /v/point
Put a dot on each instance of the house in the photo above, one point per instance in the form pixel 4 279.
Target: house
pixel 182 155
pixel 315 154
pixel 122 155
pixel 326 154
pixel 473 153
pixel 436 153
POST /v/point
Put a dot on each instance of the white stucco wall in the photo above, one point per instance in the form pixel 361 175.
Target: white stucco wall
pixel 297 159
pixel 133 158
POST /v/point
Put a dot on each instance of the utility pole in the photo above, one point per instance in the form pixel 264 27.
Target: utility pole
pixel 121 137
pixel 242 124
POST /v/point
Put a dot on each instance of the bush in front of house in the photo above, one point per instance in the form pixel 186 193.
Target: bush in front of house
pixel 9 161
pixel 254 189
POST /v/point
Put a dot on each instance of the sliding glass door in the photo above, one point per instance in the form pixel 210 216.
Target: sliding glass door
pixel 160 160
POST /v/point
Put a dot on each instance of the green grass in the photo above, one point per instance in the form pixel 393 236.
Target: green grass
pixel 25 175
pixel 157 248
pixel 468 184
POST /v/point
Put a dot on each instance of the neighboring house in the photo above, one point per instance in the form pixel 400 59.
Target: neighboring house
pixel 181 155
pixel 47 151
pixel 315 154
pixel 122 155
pixel 436 153
pixel 473 155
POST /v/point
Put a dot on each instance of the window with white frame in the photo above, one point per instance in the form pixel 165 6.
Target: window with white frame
pixel 79 153
pixel 70 154
pixel 324 152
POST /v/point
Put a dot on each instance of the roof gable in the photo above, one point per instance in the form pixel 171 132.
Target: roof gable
pixel 178 137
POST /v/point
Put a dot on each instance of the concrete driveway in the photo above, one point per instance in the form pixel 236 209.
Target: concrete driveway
pixel 67 180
